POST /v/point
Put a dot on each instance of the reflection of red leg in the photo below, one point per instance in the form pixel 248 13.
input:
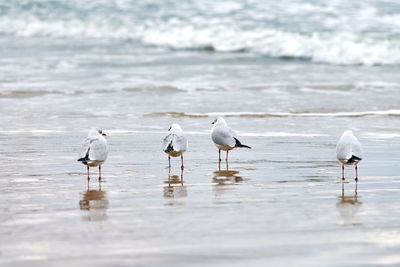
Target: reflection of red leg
pixel 219 159
pixel 227 153
pixel 99 172
pixel 342 190
pixel 356 174
pixel 343 172
pixel 355 191
pixel 88 178
pixel 182 162
pixel 182 177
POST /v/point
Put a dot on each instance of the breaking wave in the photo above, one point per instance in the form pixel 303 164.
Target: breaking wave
pixel 315 32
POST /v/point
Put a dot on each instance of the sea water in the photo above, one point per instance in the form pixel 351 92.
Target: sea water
pixel 288 76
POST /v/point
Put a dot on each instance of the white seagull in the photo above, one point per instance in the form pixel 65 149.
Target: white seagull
pixel 224 137
pixel 175 143
pixel 94 150
pixel 349 151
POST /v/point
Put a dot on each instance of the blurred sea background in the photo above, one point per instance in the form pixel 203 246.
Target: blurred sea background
pixel 289 76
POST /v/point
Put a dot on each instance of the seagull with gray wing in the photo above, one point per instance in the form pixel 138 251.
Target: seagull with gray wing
pixel 224 137
pixel 349 151
pixel 94 150
pixel 175 143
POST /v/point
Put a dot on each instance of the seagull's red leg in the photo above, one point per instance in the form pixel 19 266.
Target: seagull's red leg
pixel 356 173
pixel 182 162
pixel 99 172
pixel 88 178
pixel 169 161
pixel 342 172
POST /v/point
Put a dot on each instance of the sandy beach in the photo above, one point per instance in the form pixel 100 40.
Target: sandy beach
pixel 288 77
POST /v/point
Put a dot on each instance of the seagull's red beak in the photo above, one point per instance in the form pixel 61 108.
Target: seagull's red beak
pixel 103 134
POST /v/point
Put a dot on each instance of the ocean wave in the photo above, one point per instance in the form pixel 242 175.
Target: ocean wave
pixel 379 136
pixel 393 112
pixel 161 89
pixel 27 93
pixel 310 31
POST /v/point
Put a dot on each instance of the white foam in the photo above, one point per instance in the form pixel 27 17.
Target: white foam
pixel 393 112
pixel 338 47
pixel 381 135
pixel 282 134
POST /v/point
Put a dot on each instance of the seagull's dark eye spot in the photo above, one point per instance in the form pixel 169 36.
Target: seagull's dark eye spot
pixel 100 131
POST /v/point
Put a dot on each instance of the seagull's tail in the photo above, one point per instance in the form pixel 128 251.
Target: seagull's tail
pixel 85 159
pixel 169 148
pixel 238 144
pixel 353 159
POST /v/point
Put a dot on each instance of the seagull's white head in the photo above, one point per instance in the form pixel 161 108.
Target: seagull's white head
pixel 95 132
pixel 219 121
pixel 348 133
pixel 175 128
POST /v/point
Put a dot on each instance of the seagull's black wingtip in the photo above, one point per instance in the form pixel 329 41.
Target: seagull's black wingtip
pixel 238 144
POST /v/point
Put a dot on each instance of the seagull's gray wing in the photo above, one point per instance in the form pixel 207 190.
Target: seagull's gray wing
pixel 175 142
pixel 98 149
pixel 233 133
pixel 84 147
pixel 344 150
pixel 180 142
pixel 348 147
pixel 223 136
pixel 357 150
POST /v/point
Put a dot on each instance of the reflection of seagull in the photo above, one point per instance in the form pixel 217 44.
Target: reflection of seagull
pixel 95 203
pixel 224 177
pixel 347 207
pixel 175 188
pixel 175 143
pixel 349 151
pixel 94 150
pixel 224 137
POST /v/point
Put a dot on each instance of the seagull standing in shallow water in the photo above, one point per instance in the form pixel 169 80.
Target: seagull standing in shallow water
pixel 224 138
pixel 94 150
pixel 175 143
pixel 349 151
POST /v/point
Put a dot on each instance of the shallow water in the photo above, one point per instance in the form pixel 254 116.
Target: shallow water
pixel 280 202
pixel 289 87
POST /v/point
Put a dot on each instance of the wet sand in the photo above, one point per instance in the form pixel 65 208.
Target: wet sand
pixel 280 203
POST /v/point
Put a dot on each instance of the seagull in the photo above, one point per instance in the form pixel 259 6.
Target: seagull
pixel 349 151
pixel 175 143
pixel 94 150
pixel 224 137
